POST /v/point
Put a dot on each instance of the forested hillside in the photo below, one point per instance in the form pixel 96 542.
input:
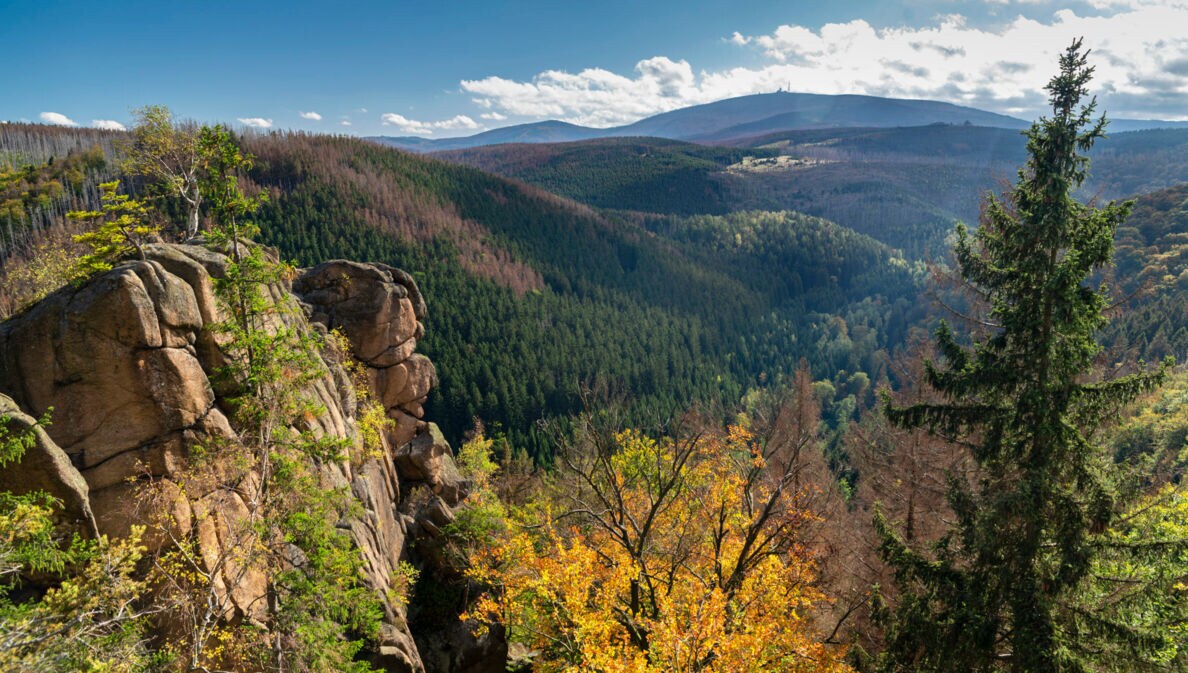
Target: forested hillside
pixel 903 186
pixel 1152 278
pixel 44 171
pixel 537 296
pixel 644 174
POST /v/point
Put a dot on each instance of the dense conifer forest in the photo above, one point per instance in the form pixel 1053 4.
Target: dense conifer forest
pixel 538 296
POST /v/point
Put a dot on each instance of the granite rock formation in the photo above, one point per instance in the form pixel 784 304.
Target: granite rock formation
pixel 125 364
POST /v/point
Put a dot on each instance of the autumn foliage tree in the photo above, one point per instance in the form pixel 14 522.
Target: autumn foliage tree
pixel 678 553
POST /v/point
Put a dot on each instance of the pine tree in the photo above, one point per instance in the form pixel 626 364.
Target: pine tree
pixel 121 228
pixel 991 594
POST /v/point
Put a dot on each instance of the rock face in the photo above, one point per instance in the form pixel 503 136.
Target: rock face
pixel 379 309
pixel 126 364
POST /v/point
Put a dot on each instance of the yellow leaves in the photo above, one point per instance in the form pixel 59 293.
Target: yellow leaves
pixel 737 435
pixel 671 571
pixel 476 461
pixel 371 418
pixel 90 615
pixel 122 227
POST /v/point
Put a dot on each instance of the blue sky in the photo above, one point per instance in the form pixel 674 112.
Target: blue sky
pixel 453 68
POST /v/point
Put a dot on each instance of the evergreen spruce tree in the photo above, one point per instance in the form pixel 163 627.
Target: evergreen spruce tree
pixel 993 593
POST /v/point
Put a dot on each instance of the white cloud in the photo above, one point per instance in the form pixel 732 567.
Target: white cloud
pixel 420 128
pixel 457 122
pixel 345 122
pixel 108 125
pixel 493 116
pixel 57 119
pixel 1140 50
pixel 256 122
pixel 406 125
pixel 311 115
pixel 1130 4
pixel 594 96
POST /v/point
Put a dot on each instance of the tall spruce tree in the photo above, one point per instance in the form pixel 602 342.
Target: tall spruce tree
pixel 992 594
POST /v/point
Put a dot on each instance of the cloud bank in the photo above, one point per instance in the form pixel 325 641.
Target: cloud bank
pixel 421 128
pixel 1140 51
pixel 108 125
pixel 256 122
pixel 57 119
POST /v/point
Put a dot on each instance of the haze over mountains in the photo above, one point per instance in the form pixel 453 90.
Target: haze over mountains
pixel 733 119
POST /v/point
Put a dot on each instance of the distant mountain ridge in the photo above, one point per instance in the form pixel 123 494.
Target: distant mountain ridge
pixel 904 186
pixel 1122 125
pixel 551 131
pixel 733 119
pixel 761 113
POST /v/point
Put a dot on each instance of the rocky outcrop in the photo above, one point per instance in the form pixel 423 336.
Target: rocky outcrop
pixel 379 309
pixel 125 365
pixel 116 361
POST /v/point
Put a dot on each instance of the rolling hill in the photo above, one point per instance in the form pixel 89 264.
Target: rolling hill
pixel 537 132
pixel 534 295
pixel 737 120
pixel 763 113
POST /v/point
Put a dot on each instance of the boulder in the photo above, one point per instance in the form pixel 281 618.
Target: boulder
pixel 45 467
pixel 378 308
pixel 428 458
pixel 365 301
pixel 115 360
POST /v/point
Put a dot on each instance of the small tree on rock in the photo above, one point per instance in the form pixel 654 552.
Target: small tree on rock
pixel 166 152
pixel 122 227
